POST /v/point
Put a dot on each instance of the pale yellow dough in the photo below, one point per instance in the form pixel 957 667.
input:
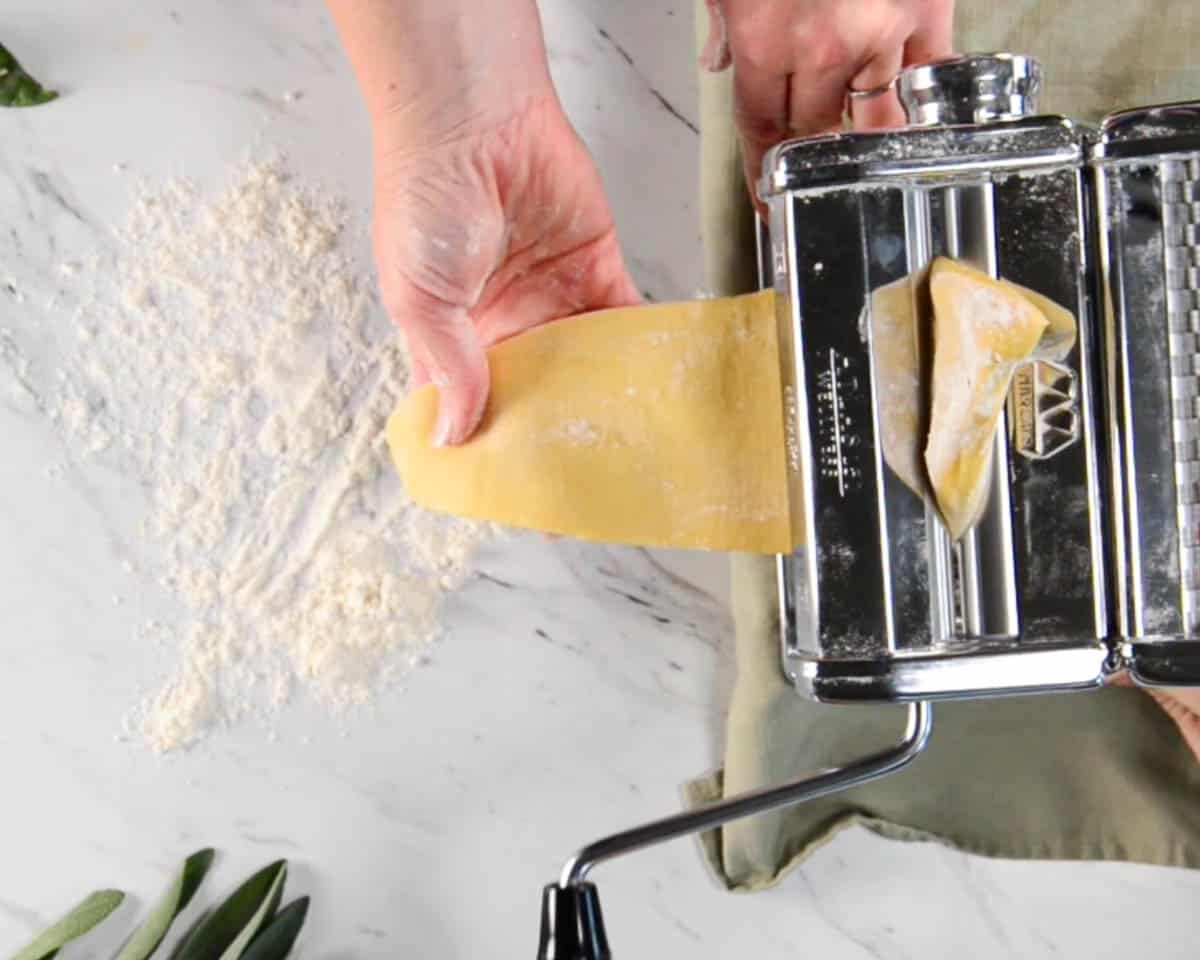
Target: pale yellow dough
pixel 937 425
pixel 663 425
pixel 982 329
pixel 899 333
pixel 657 425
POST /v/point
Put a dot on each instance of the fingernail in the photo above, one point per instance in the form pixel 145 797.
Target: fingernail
pixel 443 427
pixel 442 430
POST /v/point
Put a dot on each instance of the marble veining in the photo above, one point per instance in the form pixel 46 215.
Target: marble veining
pixel 579 685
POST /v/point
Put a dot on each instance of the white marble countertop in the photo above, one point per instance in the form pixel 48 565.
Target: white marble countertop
pixel 554 711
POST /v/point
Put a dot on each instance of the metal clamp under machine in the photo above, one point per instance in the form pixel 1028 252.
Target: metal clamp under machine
pixel 1085 560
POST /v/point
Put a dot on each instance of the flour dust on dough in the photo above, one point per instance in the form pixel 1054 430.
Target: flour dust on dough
pixel 898 328
pixel 662 425
pixel 982 329
pixel 657 425
pixel 946 342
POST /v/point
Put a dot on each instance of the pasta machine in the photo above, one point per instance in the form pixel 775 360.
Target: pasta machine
pixel 1085 561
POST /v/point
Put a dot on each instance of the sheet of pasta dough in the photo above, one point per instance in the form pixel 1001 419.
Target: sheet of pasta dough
pixel 663 425
pixel 657 425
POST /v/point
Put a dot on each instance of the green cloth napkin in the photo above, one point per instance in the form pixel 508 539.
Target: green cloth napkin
pixel 1091 776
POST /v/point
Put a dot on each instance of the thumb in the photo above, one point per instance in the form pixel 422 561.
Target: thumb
pixel 1186 719
pixel 446 348
pixel 715 56
pixel 433 261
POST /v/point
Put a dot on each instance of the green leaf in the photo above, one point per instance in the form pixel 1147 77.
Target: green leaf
pixel 90 911
pixel 18 88
pixel 189 934
pixel 275 942
pixel 261 918
pixel 174 901
pixel 234 923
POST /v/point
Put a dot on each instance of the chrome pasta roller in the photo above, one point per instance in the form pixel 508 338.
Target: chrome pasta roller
pixel 1082 560
pixel 1145 178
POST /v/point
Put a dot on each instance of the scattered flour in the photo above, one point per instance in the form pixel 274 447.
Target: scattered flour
pixel 581 433
pixel 231 355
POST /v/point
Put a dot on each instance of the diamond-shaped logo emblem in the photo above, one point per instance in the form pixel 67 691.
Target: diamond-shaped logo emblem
pixel 1043 409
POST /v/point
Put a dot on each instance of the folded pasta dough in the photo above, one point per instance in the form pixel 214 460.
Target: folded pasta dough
pixel 897 323
pixel 982 329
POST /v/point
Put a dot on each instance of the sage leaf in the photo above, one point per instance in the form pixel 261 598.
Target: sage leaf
pixel 174 901
pixel 18 88
pixel 189 934
pixel 261 918
pixel 247 908
pixel 277 938
pixel 94 908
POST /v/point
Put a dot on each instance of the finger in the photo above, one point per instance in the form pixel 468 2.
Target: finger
pixel 760 109
pixel 415 361
pixel 448 349
pixel 1185 719
pixel 880 111
pixel 418 372
pixel 590 277
pixel 715 55
pixel 625 292
pixel 817 100
pixel 933 38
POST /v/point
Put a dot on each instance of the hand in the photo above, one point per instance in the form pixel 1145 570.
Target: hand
pixel 793 61
pixel 490 217
pixel 486 236
pixel 1181 705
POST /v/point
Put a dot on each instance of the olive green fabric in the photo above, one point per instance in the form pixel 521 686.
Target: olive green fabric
pixel 1095 776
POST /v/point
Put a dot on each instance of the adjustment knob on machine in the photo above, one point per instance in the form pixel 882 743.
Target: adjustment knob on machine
pixel 972 89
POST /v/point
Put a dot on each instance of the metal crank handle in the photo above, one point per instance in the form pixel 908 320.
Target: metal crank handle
pixel 572 927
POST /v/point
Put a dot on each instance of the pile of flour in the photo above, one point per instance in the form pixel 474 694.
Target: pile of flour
pixel 231 355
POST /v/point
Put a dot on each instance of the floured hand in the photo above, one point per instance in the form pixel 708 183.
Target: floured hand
pixel 490 217
pixel 486 236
